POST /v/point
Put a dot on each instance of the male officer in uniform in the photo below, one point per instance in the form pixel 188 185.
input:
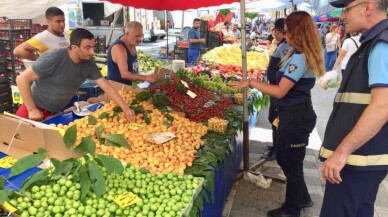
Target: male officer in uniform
pixel 355 145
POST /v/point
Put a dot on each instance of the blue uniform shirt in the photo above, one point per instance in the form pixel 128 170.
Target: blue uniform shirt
pixel 113 69
pixel 273 66
pixel 295 70
pixel 193 33
pixel 378 69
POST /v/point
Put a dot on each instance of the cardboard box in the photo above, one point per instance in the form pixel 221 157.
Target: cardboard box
pixel 20 137
pixel 164 73
pixel 104 22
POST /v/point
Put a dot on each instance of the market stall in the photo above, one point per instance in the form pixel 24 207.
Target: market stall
pixel 211 152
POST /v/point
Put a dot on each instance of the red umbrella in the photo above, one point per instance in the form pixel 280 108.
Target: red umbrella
pixel 171 5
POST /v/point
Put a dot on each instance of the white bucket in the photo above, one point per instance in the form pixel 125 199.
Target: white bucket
pixel 178 64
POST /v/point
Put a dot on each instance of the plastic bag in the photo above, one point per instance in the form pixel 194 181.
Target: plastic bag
pixel 330 80
pixel 257 180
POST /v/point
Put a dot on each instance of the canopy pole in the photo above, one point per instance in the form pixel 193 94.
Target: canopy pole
pixel 182 24
pixel 245 91
pixel 112 27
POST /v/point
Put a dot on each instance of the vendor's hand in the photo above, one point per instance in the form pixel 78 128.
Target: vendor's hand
pixel 35 114
pixel 332 167
pixel 129 114
pixel 203 40
pixel 150 78
pixel 239 84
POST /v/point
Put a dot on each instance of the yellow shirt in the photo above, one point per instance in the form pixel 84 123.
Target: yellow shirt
pixel 46 41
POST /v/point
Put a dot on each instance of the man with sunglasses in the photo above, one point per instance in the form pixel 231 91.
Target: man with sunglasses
pixel 355 145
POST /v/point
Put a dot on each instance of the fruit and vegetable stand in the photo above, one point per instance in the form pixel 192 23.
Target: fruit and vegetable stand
pixel 195 150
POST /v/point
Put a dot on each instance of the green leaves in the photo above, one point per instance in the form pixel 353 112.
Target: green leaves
pixel 92 120
pixel 70 136
pixel 116 140
pixel 4 195
pixel 181 88
pixel 26 163
pixel 97 179
pixel 143 96
pixel 159 99
pixel 87 145
pixel 113 165
pixel 104 115
pixel 85 185
pixel 40 176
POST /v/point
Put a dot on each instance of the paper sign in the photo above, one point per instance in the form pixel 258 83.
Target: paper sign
pixel 9 207
pixel 191 94
pixel 7 162
pixel 160 138
pixel 134 126
pixel 126 199
pixel 185 83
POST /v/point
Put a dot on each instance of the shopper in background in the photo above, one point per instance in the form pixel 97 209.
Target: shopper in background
pixel 355 146
pixel 273 67
pixel 270 35
pixel 195 41
pixel 297 119
pixel 123 65
pixel 332 44
pixel 53 37
pixel 236 32
pixel 349 47
pixel 49 84
pixel 227 33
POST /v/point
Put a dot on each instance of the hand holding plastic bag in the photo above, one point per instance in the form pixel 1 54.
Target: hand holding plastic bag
pixel 330 80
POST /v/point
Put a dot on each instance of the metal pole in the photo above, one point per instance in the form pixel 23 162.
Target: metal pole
pixel 245 92
pixel 182 24
pixel 167 24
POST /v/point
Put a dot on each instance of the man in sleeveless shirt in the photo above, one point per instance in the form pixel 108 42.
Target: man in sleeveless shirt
pixel 122 57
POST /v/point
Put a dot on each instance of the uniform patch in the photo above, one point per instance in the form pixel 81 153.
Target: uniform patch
pixel 285 51
pixel 292 67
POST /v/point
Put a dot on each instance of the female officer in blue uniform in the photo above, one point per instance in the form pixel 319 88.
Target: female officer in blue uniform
pixel 297 118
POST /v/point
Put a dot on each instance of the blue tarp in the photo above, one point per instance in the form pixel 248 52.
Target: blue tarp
pixel 15 183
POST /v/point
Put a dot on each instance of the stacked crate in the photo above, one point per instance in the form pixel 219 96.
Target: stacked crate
pixel 203 31
pixel 12 33
pixel 100 46
pixel 213 40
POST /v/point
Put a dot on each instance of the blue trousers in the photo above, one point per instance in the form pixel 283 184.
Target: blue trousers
pixel 354 196
pixel 292 137
pixel 193 55
pixel 330 60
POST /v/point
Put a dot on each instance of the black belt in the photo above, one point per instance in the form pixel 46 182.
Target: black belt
pixel 302 106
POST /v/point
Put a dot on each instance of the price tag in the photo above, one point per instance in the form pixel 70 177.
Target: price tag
pixel 9 207
pixel 185 83
pixel 7 162
pixel 126 199
pixel 191 94
pixel 134 126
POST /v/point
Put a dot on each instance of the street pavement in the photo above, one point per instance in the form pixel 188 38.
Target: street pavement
pixel 247 200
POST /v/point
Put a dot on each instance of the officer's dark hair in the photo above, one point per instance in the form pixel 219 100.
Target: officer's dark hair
pixel 279 24
pixel 196 20
pixel 77 35
pixel 53 11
